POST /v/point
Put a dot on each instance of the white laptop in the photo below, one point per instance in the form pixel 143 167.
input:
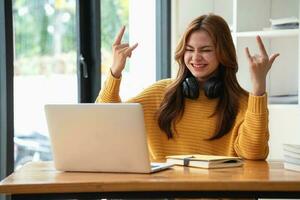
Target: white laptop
pixel 107 137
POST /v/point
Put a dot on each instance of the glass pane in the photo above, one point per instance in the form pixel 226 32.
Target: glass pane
pixel 140 70
pixel 44 70
pixel 114 14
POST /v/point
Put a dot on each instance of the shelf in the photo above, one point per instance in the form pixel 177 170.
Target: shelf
pixel 285 99
pixel 269 33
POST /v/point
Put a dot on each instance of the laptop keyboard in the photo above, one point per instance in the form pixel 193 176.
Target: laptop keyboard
pixel 154 165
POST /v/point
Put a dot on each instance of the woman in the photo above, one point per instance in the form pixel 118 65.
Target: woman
pixel 204 110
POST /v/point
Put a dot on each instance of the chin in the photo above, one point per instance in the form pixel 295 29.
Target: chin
pixel 199 76
pixel 202 77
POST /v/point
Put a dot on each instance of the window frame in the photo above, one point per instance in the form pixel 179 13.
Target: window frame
pixel 6 90
pixel 163 39
pixel 89 46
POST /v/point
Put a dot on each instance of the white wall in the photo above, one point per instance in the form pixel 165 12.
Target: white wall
pixel 184 11
pixel 284 126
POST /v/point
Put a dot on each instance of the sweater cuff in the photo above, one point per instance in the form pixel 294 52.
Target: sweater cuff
pixel 112 83
pixel 258 104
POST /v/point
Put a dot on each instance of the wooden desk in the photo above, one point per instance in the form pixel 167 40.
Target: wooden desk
pixel 256 179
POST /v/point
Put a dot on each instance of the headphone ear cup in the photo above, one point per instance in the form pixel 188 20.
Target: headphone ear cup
pixel 213 87
pixel 185 89
pixel 190 88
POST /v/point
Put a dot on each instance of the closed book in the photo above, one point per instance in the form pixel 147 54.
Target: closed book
pixel 291 159
pixel 291 154
pixel 205 161
pixel 287 20
pixel 295 148
pixel 286 26
pixel 291 166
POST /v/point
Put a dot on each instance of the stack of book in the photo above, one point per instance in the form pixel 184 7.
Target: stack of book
pixel 291 156
pixel 285 23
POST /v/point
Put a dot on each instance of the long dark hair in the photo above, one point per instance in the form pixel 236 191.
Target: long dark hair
pixel 172 106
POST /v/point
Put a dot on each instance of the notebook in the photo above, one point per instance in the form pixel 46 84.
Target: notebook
pixel 105 137
pixel 205 161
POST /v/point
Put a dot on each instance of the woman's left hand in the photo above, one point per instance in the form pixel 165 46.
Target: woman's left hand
pixel 259 67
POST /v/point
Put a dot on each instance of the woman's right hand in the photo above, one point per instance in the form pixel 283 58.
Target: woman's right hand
pixel 120 54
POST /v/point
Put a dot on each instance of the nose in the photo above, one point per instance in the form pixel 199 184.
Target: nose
pixel 197 56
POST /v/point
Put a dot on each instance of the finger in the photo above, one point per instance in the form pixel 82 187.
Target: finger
pixel 273 57
pixel 130 53
pixel 261 46
pixel 130 49
pixel 134 46
pixel 256 58
pixel 248 54
pixel 119 36
pixel 121 46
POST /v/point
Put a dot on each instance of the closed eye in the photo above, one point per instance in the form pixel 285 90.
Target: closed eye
pixel 206 50
pixel 189 49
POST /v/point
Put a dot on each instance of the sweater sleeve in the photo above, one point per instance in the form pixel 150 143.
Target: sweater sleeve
pixel 253 132
pixel 110 91
pixel 150 96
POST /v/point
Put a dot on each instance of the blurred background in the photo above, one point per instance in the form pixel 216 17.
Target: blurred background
pixel 47 68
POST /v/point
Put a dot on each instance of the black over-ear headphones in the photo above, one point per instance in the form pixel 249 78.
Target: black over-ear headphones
pixel 213 87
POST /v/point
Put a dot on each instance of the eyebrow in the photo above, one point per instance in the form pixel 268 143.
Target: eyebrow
pixel 206 46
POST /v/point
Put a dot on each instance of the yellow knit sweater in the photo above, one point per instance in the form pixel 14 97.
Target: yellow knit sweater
pixel 247 138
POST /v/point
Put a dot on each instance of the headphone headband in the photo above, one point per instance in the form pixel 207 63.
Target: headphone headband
pixel 213 87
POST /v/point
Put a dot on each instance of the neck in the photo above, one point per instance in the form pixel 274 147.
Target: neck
pixel 202 80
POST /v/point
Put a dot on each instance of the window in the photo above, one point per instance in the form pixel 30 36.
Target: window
pixel 44 70
pixel 114 14
pixel 139 19
pixel 45 59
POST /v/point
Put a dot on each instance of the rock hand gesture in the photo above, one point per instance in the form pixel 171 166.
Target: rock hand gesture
pixel 120 54
pixel 259 67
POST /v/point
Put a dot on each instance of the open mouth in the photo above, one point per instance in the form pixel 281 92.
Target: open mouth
pixel 199 66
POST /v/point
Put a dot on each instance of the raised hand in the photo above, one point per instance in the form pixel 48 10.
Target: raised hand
pixel 120 54
pixel 259 67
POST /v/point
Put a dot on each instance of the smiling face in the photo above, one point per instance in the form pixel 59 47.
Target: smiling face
pixel 200 55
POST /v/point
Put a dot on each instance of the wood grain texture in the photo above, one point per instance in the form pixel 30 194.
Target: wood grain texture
pixel 41 177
